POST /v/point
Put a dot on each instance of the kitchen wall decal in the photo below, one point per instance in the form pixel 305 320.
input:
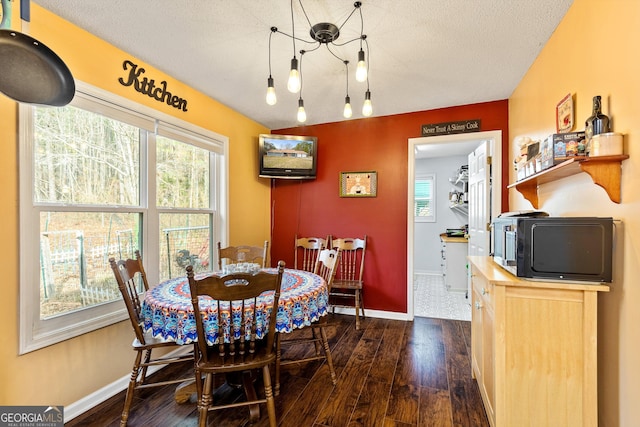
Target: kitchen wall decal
pixel 148 86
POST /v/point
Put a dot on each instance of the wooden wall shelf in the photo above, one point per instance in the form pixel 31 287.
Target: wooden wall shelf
pixel 605 171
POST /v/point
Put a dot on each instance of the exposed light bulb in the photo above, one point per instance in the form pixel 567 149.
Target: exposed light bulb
pixel 367 108
pixel 271 92
pixel 347 108
pixel 293 84
pixel 361 68
pixel 302 115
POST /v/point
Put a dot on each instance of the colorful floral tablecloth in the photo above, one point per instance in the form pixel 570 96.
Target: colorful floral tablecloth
pixel 167 311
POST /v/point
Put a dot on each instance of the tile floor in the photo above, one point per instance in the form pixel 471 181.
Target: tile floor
pixel 431 299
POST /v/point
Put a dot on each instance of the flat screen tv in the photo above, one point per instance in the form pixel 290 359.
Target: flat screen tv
pixel 287 156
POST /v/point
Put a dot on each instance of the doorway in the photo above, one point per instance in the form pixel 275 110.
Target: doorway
pixel 460 146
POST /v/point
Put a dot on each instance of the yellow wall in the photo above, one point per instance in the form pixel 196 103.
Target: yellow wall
pixel 64 373
pixel 594 52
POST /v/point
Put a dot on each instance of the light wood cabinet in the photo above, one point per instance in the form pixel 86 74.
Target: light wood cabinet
pixel 534 348
pixel 482 347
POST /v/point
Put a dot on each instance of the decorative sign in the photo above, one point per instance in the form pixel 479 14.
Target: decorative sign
pixel 148 86
pixel 564 114
pixel 448 128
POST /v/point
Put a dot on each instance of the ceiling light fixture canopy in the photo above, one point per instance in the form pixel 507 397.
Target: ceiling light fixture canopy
pixel 323 33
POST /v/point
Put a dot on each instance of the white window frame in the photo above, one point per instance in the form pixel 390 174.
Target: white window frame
pixel 425 177
pixel 36 333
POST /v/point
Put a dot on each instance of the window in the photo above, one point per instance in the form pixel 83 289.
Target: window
pixel 424 205
pixel 100 180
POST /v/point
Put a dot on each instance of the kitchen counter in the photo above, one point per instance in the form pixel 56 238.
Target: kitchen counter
pixel 448 239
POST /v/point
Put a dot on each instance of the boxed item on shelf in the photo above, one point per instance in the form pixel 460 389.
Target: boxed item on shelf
pixel 561 146
pixel 547 158
pixel 568 144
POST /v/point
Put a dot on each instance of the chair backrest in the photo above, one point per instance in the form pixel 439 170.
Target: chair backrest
pixel 236 254
pixel 243 300
pixel 129 273
pixel 352 252
pixel 326 265
pixel 306 252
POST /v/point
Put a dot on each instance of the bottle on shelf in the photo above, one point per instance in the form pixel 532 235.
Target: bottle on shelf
pixel 596 124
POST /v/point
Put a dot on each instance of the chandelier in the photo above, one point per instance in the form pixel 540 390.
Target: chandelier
pixel 323 33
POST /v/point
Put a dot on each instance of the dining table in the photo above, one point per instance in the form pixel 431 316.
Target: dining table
pixel 168 314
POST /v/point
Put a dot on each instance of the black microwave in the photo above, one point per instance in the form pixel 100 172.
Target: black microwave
pixel 555 248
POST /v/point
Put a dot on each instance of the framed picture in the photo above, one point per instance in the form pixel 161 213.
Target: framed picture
pixel 358 184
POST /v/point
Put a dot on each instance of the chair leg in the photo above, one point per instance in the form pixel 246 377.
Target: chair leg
pixel 357 298
pixel 145 365
pixel 327 352
pixel 131 389
pixel 198 376
pixel 361 303
pixel 204 400
pixel 271 406
pixel 316 341
pixel 250 394
pixel 277 373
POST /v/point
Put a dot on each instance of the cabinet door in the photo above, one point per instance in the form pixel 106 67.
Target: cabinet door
pixel 456 266
pixel 488 359
pixel 476 336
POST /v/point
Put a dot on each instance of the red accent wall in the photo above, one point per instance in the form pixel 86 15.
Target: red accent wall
pixel 314 207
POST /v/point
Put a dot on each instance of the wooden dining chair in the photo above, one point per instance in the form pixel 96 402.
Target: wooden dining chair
pixel 237 254
pixel 239 300
pixel 306 252
pixel 348 282
pixel 132 281
pixel 325 267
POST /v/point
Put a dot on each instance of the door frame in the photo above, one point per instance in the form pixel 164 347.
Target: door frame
pixel 495 150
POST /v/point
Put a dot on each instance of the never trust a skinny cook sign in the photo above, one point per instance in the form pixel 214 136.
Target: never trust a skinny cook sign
pixel 451 127
pixel 148 86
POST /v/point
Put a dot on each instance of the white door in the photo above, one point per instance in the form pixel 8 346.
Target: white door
pixel 479 200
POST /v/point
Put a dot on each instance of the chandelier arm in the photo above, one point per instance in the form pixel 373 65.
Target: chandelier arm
pixel 304 12
pixel 356 6
pixel 347 42
pixel 296 38
pixel 312 50
pixel 334 54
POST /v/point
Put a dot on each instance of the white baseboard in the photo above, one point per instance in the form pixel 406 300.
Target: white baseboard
pixel 81 406
pixel 429 272
pixel 391 315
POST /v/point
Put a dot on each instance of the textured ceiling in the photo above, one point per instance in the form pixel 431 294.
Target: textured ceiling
pixel 423 54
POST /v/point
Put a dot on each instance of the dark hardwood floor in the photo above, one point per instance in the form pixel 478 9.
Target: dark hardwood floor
pixel 390 374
